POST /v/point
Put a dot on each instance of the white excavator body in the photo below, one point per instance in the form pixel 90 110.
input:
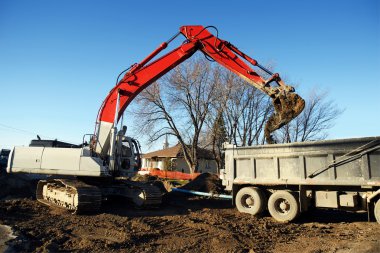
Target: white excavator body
pixel 56 161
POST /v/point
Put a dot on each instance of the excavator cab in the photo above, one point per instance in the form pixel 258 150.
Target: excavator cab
pixel 128 157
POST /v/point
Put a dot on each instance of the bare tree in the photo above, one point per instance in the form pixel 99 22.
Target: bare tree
pixel 198 102
pixel 238 115
pixel 218 137
pixel 245 112
pixel 179 106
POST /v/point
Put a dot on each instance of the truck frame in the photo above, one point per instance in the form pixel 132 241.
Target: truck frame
pixel 288 179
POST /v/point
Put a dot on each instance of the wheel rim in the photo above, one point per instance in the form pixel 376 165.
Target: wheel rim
pixel 282 206
pixel 248 201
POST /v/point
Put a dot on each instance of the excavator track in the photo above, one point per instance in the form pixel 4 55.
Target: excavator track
pixel 141 194
pixel 79 197
pixel 144 195
pixel 69 194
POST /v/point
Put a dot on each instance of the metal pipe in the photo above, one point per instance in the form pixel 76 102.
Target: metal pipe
pixel 207 194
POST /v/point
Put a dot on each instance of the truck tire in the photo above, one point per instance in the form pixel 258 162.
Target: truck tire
pixel 250 200
pixel 283 206
pixel 377 211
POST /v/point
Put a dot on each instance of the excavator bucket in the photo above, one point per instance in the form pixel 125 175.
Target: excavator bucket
pixel 287 106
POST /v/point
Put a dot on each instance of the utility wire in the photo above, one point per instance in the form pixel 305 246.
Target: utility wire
pixel 27 132
pixel 18 129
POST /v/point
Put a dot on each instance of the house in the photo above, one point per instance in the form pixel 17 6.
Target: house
pixel 172 159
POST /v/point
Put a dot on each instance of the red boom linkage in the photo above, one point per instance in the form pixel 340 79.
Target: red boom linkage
pixel 143 74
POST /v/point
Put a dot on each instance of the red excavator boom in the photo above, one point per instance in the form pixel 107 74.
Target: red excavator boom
pixel 287 104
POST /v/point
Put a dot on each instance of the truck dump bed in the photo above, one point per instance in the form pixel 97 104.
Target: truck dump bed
pixel 346 162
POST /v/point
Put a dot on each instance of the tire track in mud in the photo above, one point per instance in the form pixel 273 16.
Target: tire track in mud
pixel 214 229
pixel 195 225
pixel 186 234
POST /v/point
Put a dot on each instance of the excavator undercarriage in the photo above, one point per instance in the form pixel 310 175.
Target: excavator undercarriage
pixel 76 196
pixel 72 195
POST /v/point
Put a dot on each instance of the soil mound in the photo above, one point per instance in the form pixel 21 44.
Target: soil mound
pixel 205 182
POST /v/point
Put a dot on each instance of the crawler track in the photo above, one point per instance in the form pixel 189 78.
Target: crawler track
pixel 145 195
pixel 69 194
pixel 78 197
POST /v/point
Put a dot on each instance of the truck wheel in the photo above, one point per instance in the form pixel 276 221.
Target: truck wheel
pixel 283 206
pixel 250 200
pixel 377 211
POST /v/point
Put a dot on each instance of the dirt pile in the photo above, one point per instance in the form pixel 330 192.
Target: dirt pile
pixel 205 182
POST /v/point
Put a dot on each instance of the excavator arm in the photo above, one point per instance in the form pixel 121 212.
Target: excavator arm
pixel 287 104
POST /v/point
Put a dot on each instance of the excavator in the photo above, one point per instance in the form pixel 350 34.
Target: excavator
pixel 83 175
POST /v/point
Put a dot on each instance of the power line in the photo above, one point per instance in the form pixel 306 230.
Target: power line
pixel 27 132
pixel 18 129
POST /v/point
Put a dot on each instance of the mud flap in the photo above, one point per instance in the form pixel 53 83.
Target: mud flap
pixel 371 211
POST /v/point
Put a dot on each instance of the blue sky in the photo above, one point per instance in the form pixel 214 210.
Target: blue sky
pixel 59 59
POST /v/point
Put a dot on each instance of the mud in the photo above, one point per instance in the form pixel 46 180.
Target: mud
pixel 286 107
pixel 182 225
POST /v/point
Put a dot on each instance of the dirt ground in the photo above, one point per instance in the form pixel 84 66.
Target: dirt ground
pixel 181 224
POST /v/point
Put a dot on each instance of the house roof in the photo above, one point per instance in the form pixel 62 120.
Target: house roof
pixel 176 152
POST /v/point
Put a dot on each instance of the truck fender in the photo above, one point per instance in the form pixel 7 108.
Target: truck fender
pixel 373 196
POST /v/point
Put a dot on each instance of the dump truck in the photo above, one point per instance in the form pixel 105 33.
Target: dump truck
pixel 288 179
